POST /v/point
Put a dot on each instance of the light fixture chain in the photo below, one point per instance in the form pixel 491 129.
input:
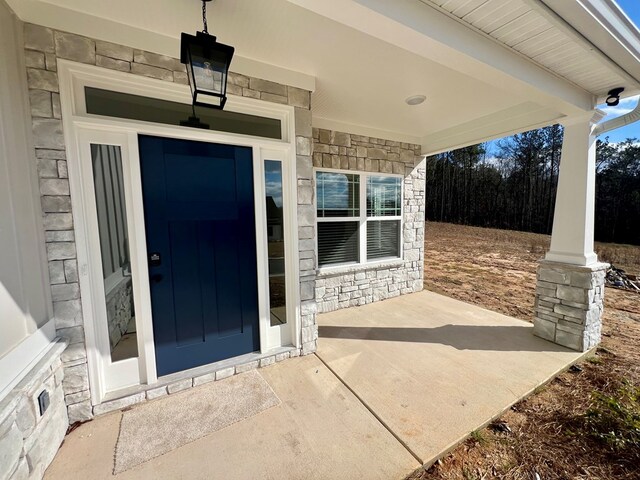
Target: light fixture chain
pixel 204 16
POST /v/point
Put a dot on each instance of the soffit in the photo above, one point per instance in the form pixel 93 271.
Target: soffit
pixel 360 80
pixel 532 30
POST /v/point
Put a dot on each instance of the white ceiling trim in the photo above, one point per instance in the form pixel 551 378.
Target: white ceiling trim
pixel 440 147
pixel 489 127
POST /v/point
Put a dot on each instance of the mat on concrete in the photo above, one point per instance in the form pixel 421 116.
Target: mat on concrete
pixel 155 428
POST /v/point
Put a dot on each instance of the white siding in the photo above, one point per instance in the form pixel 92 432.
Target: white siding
pixel 24 290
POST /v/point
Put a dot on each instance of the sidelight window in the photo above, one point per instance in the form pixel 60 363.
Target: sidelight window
pixel 114 250
pixel 276 242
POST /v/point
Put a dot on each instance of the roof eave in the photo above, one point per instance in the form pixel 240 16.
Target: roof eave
pixel 605 27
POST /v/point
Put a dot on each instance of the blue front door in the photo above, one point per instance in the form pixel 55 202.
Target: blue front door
pixel 201 242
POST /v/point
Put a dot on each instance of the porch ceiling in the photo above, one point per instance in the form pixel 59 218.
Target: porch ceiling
pixel 362 61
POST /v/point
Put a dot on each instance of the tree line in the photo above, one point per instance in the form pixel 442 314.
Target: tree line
pixel 514 187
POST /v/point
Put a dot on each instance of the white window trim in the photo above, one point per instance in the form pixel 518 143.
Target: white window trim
pixel 362 262
pixel 108 378
pixel 281 334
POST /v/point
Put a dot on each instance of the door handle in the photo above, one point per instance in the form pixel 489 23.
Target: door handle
pixel 156 278
pixel 155 260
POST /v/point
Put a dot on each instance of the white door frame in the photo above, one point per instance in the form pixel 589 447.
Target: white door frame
pixel 80 131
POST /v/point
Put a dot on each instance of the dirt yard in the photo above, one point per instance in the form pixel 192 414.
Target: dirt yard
pixel 583 425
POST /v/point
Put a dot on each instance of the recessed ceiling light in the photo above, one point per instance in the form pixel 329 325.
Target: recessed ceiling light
pixel 415 99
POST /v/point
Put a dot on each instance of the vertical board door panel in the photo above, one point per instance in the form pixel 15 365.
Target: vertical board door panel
pixel 200 221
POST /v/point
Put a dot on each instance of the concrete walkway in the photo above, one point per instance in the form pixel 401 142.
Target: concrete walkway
pixel 393 382
pixel 433 369
pixel 319 431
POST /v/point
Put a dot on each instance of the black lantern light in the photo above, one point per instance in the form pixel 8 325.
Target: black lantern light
pixel 207 64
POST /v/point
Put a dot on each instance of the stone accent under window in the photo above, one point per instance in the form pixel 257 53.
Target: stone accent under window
pixel 43 46
pixel 569 304
pixel 361 284
pixel 28 440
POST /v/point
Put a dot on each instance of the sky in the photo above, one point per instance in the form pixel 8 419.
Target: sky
pixel 632 9
pixel 273 180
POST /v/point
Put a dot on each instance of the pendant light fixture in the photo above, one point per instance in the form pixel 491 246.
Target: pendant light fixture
pixel 207 63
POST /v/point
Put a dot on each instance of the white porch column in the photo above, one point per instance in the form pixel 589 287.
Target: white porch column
pixel 570 283
pixel 572 237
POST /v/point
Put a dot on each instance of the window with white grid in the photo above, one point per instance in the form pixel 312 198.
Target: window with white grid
pixel 359 217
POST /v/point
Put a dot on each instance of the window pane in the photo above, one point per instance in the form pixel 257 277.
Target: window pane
pixel 338 194
pixel 383 239
pixel 137 107
pixel 114 249
pixel 384 196
pixel 338 243
pixel 276 242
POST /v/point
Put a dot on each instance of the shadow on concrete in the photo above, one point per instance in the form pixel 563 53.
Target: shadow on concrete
pixel 506 338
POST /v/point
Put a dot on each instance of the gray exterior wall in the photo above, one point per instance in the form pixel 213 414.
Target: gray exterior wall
pixel 362 284
pixel 43 46
pixel 24 293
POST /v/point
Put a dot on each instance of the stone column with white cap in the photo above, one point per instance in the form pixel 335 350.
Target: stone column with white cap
pixel 570 281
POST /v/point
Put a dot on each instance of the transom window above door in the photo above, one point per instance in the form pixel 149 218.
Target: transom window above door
pixel 136 107
pixel 359 217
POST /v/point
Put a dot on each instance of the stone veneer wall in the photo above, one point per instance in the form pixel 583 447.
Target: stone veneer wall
pixel 43 46
pixel 569 304
pixel 28 441
pixel 361 284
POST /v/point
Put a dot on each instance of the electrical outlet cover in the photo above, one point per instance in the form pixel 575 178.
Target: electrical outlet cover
pixel 43 401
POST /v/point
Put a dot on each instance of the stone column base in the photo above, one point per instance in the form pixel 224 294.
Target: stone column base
pixel 569 304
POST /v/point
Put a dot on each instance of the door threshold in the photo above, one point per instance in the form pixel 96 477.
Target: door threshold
pixel 239 364
pixel 238 361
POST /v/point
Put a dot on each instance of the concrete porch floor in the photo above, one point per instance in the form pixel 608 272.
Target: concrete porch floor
pixel 394 384
pixel 433 369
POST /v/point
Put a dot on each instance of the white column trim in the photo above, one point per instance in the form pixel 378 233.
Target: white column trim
pixel 574 215
pixel 593 117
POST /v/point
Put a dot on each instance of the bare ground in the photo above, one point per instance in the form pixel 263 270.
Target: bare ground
pixel 497 269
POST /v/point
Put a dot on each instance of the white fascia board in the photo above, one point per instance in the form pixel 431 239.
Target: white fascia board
pixel 429 149
pixel 68 20
pixel 606 30
pixel 428 32
pixel 516 120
